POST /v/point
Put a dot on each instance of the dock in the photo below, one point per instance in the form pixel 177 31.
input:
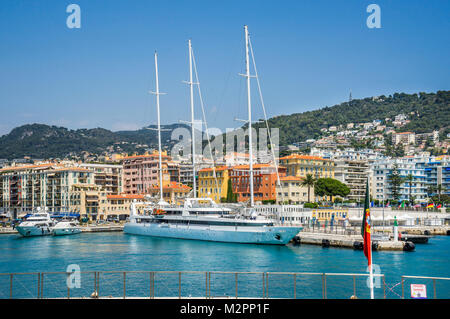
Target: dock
pixel 350 241
pixel 84 229
pixel 94 229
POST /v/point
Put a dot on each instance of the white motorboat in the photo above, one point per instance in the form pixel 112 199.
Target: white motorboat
pixel 38 224
pixel 66 228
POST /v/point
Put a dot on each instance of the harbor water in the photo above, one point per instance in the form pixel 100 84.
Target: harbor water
pixel 122 252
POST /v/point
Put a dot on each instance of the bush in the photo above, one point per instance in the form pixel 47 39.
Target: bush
pixel 310 205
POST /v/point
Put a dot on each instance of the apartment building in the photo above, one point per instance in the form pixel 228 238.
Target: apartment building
pixel 108 176
pixel 381 188
pixel 24 188
pixel 264 181
pixel 404 138
pixel 301 165
pixel 141 172
pixel 173 192
pixel 214 187
pixel 354 174
pixel 291 191
pixel 437 171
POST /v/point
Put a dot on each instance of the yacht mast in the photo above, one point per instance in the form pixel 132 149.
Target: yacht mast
pixel 249 103
pixel 191 86
pixel 157 93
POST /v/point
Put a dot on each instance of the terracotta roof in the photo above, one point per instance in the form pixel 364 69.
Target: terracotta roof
pixel 16 168
pixel 219 168
pixel 247 166
pixel 174 186
pixel 125 196
pixel 307 157
pixel 406 133
pixel 144 156
pixel 291 178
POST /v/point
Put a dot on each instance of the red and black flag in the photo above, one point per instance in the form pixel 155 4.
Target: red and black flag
pixel 365 227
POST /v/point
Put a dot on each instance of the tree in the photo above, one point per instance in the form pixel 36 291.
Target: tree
pixel 330 187
pixel 309 182
pixel 409 178
pixel 440 189
pixel 231 197
pixel 395 181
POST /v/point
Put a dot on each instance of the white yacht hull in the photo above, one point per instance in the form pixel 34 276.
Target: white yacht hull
pixel 28 231
pixel 66 231
pixel 274 235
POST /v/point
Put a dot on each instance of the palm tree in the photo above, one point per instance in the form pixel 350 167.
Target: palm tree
pixel 409 178
pixel 439 190
pixel 309 181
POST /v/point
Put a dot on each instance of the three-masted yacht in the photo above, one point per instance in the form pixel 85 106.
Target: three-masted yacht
pixel 202 218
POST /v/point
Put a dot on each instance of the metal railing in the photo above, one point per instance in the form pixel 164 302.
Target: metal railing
pixel 182 284
pixel 209 284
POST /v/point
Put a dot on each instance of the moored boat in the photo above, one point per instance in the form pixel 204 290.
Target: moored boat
pixel 66 228
pixel 38 224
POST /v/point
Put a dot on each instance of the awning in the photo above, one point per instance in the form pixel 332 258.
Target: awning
pixel 61 215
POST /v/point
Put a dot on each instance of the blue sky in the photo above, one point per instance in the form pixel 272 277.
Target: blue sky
pixel 309 55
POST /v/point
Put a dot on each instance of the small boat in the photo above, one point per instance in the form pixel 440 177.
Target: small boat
pixel 66 228
pixel 38 224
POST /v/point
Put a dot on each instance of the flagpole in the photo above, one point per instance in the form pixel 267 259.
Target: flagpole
pixel 371 271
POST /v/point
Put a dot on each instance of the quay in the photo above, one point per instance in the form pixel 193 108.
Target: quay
pixel 349 241
pixel 84 229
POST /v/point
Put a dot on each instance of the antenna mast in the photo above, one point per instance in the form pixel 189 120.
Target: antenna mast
pixel 157 93
pixel 249 103
pixel 191 86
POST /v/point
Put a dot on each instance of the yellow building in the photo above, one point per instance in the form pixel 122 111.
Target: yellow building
pixel 325 214
pixel 214 188
pixel 292 191
pixel 173 193
pixel 301 165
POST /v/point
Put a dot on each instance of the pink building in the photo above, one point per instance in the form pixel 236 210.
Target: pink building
pixel 140 172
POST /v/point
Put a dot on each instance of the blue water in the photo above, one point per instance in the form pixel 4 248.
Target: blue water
pixel 123 252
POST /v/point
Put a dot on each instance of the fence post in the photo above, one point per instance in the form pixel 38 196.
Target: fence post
pixel 98 284
pixel 206 284
pixel 68 286
pixel 403 290
pixel 10 285
pixel 42 285
pixel 434 288
pixel 264 286
pixel 267 284
pixel 295 286
pixel 236 279
pixel 179 285
pixel 39 285
pixel 354 285
pixel 384 287
pixel 124 284
pixel 209 284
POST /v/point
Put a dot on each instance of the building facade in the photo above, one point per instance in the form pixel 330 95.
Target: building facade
pixel 291 191
pixel 141 172
pixel 382 188
pixel 213 183
pixel 264 181
pixel 24 188
pixel 301 165
pixel 354 174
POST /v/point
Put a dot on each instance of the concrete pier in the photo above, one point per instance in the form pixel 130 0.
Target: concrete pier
pixel 350 241
pixel 84 229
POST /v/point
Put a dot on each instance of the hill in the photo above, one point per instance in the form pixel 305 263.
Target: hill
pixel 431 111
pixel 44 141
pixel 425 111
